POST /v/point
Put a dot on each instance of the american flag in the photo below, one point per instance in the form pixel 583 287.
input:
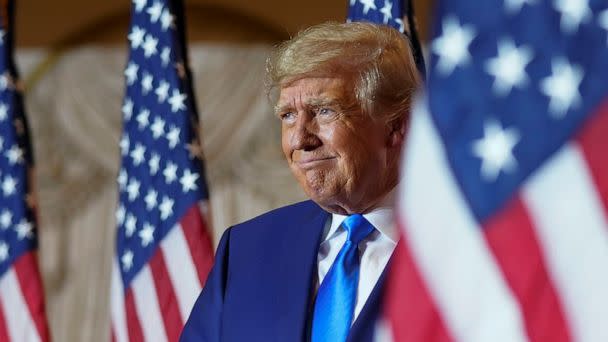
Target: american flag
pixel 163 249
pixel 395 13
pixel 504 200
pixel 22 315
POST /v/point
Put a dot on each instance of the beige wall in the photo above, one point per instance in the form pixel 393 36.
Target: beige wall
pixel 45 23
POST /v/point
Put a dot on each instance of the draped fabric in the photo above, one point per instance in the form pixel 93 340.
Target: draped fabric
pixel 74 111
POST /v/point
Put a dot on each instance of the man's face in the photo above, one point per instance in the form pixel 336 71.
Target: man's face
pixel 339 155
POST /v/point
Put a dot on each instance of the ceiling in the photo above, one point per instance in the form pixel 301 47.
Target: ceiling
pixel 74 22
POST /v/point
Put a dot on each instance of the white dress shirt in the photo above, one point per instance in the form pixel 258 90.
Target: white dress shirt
pixel 374 251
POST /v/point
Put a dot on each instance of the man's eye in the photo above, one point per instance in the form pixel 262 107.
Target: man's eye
pixel 325 111
pixel 287 116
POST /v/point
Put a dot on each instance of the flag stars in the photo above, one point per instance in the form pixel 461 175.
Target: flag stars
pixel 157 127
pixel 127 109
pixel 154 164
pixel 367 5
pixel 166 19
pixel 170 172
pixel 14 155
pixel 120 215
pixel 173 136
pixel 130 225
pixel 122 179
pixel 155 11
pixel 151 199
pixel 177 101
pixel 562 87
pixel 188 181
pixel 509 66
pixel 149 46
pixel 127 260
pixel 452 46
pixel 124 144
pixel 514 6
pixel 3 111
pixel 143 118
pixel 146 83
pixel 496 150
pixel 6 219
pixel 573 14
pixel 387 11
pixel 603 21
pixel 162 91
pixel 3 251
pixel 139 5
pixel 165 55
pixel 133 189
pixel 9 185
pixel 24 230
pixel 5 81
pixel 136 37
pixel 138 154
pixel 131 73
pixel 401 27
pixel 166 208
pixel 146 234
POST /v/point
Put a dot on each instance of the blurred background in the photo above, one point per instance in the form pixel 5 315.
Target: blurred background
pixel 71 55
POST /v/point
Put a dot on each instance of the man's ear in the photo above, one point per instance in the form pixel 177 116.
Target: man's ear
pixel 397 131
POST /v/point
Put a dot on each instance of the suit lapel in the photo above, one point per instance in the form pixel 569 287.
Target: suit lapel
pixel 299 256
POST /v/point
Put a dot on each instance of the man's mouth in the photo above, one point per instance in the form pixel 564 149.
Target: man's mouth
pixel 309 163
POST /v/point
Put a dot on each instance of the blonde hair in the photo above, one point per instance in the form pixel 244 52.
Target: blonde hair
pixel 376 58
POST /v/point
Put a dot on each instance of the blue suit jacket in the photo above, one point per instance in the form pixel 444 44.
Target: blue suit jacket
pixel 261 286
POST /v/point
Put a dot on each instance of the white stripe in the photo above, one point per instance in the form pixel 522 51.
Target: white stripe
pixel 119 318
pixel 448 245
pixel 382 331
pixel 17 315
pixel 146 306
pixel 182 271
pixel 573 232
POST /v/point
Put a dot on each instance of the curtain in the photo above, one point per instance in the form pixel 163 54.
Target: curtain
pixel 74 110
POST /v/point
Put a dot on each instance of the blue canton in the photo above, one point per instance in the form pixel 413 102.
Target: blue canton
pixel 162 174
pixel 17 223
pixel 504 106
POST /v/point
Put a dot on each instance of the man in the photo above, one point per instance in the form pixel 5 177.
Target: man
pixel 314 270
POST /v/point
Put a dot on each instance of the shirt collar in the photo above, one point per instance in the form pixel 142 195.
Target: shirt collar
pixel 382 218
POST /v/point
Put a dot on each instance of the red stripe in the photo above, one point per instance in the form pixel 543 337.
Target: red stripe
pixel 411 311
pixel 510 236
pixel 166 296
pixel 195 230
pixel 26 269
pixel 112 335
pixel 593 140
pixel 3 328
pixel 133 324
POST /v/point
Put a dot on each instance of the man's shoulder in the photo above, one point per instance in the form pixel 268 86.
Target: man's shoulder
pixel 282 216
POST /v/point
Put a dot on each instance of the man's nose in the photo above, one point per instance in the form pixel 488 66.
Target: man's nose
pixel 305 133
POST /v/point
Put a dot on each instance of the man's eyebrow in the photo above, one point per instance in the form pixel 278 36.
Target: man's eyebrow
pixel 313 102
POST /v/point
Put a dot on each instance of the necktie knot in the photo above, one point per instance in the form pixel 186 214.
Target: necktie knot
pixel 357 227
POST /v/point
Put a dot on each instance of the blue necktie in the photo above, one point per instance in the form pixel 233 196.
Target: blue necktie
pixel 335 303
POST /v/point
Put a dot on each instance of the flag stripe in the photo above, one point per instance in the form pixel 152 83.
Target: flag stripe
pixel 26 271
pixel 21 327
pixel 3 328
pixel 412 311
pixel 181 270
pixel 167 300
pixel 512 239
pixel 594 145
pixel 573 254
pixel 119 323
pixel 147 306
pixel 438 223
pixel 134 326
pixel 199 241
